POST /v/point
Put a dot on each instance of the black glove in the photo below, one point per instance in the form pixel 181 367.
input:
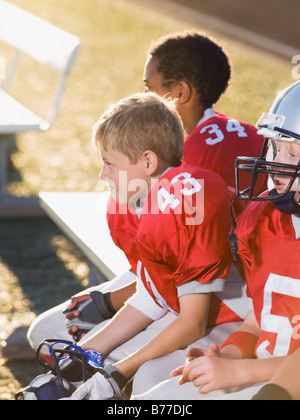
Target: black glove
pixel 92 312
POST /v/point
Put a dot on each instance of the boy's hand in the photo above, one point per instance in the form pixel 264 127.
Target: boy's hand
pixel 211 371
pixel 71 309
pixel 193 354
pixel 72 313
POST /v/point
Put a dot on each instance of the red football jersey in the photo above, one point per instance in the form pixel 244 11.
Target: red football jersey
pixel 217 142
pixel 182 237
pixel 123 223
pixel 269 251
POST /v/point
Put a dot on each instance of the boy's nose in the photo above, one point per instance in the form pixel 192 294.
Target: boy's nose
pixel 279 158
pixel 102 176
pixel 104 173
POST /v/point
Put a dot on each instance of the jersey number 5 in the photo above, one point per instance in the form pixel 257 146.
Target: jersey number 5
pixel 279 289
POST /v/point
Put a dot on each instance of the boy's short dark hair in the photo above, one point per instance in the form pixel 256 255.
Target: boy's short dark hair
pixel 195 58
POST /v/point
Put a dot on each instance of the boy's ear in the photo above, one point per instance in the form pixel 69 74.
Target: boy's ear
pixel 184 92
pixel 150 159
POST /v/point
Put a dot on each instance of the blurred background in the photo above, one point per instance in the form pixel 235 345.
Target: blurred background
pixel 39 267
pixel 276 19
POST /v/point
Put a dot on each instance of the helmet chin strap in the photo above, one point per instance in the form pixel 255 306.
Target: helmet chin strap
pixel 289 203
pixel 285 204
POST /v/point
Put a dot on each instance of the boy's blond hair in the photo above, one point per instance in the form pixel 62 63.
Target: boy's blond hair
pixel 141 122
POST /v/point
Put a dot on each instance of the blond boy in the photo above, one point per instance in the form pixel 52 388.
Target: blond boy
pixel 181 241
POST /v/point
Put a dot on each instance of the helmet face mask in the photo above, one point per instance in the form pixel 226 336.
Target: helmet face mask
pixel 281 124
pixel 262 165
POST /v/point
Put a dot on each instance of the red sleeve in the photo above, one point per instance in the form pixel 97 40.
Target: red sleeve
pixel 123 225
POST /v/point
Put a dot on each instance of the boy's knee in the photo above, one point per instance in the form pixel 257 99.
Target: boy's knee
pixel 49 325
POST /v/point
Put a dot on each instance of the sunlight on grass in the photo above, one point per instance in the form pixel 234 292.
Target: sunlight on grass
pixel 15 308
pixel 115 36
pixel 39 268
pixel 67 254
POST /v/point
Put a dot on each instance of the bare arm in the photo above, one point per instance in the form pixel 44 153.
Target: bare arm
pixel 127 323
pixel 117 298
pixel 187 328
pixel 288 375
pixel 120 296
pixel 220 369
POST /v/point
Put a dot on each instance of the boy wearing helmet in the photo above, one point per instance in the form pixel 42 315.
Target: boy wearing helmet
pixel 268 236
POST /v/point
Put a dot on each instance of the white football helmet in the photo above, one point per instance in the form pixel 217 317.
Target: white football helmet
pixel 281 123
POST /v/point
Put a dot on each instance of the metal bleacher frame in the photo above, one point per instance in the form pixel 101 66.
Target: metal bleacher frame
pixel 54 48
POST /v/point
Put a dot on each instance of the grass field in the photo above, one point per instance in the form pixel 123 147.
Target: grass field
pixel 38 266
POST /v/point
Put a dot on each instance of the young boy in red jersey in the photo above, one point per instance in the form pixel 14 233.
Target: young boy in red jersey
pixel 268 236
pixel 194 70
pixel 181 240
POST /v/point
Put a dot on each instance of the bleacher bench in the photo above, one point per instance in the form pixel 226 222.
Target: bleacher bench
pixel 48 45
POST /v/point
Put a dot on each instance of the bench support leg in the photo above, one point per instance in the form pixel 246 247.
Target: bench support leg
pixel 12 206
